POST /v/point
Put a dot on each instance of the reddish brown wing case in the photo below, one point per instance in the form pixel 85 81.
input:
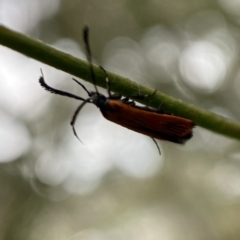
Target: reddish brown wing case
pixel 153 124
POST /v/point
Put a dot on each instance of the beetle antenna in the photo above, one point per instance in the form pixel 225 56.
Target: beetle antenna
pixel 89 94
pixel 107 82
pixel 89 55
pixel 74 118
pixel 56 91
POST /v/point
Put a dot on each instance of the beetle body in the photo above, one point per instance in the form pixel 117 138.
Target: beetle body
pixel 148 122
pixel 125 113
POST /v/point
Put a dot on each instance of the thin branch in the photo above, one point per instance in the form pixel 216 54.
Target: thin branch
pixel 77 67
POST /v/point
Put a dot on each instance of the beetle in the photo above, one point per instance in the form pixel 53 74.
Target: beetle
pixel 125 112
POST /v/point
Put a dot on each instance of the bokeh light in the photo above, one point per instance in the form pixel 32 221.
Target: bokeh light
pixel 15 139
pixel 203 66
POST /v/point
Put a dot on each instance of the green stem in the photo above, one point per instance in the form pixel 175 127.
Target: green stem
pixel 80 68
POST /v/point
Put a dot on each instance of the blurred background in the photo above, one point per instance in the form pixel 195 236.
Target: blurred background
pixel 115 185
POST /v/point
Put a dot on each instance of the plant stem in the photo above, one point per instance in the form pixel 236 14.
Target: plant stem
pixel 80 68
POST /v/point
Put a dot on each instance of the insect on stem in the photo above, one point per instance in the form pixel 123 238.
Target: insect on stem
pixel 124 112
